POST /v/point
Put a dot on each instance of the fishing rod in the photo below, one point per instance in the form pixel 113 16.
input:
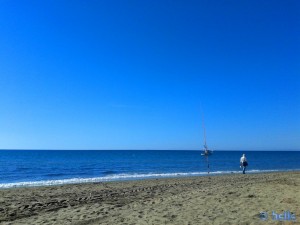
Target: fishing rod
pixel 206 152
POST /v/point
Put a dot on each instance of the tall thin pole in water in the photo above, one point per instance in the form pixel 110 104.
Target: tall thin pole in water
pixel 206 152
pixel 207 164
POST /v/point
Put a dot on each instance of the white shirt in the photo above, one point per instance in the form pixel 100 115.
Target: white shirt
pixel 243 159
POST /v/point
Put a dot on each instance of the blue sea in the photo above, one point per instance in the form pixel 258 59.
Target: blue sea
pixel 48 167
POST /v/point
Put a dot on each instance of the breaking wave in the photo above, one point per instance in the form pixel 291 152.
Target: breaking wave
pixel 120 177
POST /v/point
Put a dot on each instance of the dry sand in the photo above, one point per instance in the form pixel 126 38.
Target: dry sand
pixel 230 199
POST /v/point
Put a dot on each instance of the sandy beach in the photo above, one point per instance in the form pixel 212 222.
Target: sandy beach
pixel 228 199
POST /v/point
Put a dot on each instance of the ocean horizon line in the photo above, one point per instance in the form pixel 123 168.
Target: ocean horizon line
pixel 45 149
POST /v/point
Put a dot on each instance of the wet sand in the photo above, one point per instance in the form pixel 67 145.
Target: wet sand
pixel 228 199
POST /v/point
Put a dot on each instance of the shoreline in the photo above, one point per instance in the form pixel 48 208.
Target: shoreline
pixel 217 199
pixel 129 177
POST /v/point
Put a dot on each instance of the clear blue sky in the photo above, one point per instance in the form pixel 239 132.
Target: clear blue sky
pixel 138 74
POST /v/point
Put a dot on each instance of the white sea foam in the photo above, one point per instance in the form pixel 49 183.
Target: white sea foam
pixel 118 177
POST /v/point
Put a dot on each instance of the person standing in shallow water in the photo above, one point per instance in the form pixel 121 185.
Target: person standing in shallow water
pixel 244 163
